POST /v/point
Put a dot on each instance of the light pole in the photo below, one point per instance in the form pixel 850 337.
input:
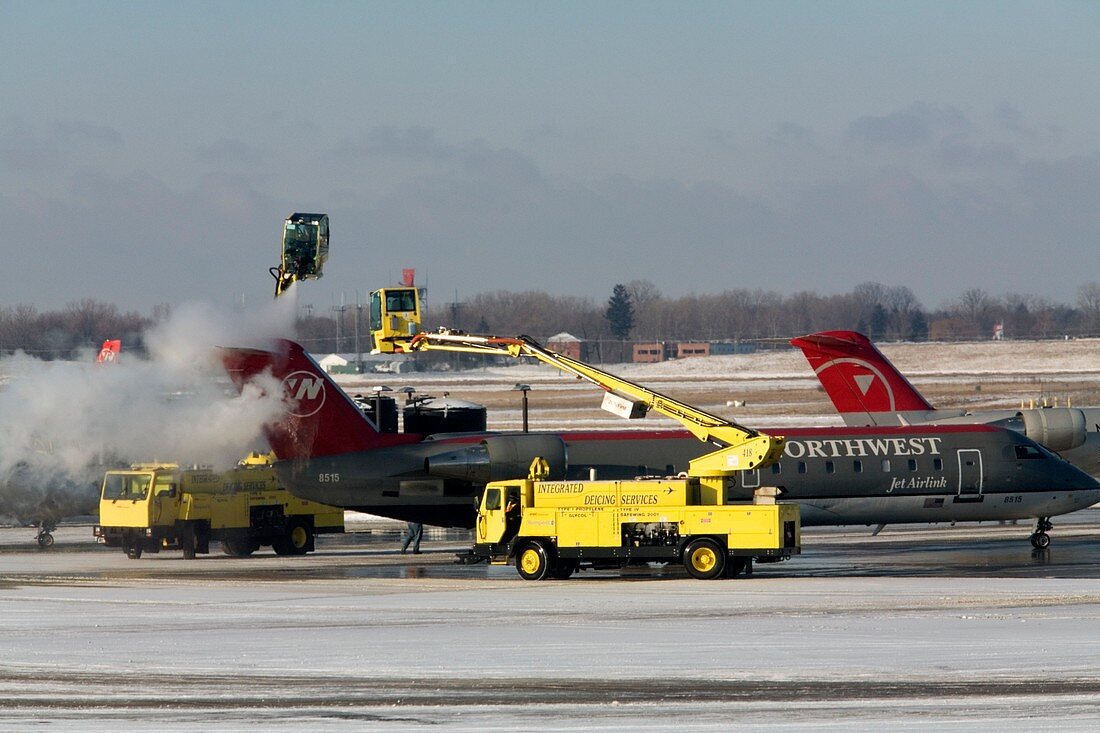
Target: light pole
pixel 378 390
pixel 525 388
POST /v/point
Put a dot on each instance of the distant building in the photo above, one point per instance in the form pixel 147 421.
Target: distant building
pixel 727 348
pixel 337 363
pixel 569 345
pixel 687 349
pixel 345 363
pixel 649 353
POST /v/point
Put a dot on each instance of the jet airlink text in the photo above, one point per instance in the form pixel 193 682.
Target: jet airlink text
pixel 861 447
pixel 921 482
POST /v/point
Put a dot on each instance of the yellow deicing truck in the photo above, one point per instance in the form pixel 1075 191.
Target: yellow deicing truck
pixel 550 529
pixel 159 506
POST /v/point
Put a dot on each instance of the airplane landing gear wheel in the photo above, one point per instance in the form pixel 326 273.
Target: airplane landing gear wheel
pixel 1040 540
pixel 133 551
pixel 45 539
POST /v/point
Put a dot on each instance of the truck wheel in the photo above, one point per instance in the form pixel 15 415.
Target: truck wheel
pixel 704 559
pixel 533 561
pixel 735 566
pixel 297 541
pixel 187 542
pixel 238 548
pixel 563 569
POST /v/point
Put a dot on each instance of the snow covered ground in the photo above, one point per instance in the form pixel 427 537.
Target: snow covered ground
pixel 946 629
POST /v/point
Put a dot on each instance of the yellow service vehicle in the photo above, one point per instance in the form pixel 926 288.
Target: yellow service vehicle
pixel 304 250
pixel 552 528
pixel 155 506
pixel 394 317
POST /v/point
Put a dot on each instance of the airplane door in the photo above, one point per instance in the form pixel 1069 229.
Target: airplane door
pixel 970 472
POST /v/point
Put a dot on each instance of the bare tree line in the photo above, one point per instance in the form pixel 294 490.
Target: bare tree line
pixel 885 313
pixel 78 327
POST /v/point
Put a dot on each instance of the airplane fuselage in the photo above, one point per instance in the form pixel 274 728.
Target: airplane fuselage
pixel 838 475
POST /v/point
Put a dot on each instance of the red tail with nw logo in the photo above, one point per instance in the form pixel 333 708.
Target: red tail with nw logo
pixel 320 419
pixel 856 376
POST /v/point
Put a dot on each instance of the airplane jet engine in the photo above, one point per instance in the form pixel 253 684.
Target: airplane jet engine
pixel 1056 428
pixel 500 457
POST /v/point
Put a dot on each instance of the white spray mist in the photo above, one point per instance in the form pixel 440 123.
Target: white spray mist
pixel 63 423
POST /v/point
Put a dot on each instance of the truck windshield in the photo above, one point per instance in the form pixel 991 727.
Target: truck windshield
pixel 126 485
pixel 400 301
pixel 298 248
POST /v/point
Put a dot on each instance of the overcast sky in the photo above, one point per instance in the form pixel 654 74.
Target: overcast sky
pixel 150 151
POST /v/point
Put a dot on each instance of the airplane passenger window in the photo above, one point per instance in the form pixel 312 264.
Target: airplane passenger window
pixel 802 467
pixel 886 465
pixel 776 468
pixel 912 464
pixel 857 466
pixel 829 467
pixel 937 464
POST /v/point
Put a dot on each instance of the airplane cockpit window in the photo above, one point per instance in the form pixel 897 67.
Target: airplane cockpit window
pixel 1028 452
pixel 122 486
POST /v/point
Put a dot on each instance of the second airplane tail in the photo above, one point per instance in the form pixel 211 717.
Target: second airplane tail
pixel 863 385
pixel 320 419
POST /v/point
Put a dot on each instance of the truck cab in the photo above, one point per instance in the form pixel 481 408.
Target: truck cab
pixel 394 316
pixel 159 506
pixel 305 245
pixel 141 497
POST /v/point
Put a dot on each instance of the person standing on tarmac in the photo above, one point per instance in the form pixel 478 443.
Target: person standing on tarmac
pixel 414 533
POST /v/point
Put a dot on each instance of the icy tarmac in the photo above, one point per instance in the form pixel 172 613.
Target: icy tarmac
pixel 945 628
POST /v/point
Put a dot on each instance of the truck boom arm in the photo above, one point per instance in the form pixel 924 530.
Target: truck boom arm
pixel 740 448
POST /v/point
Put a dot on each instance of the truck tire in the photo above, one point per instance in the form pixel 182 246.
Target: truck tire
pixel 735 566
pixel 298 539
pixel 563 569
pixel 704 559
pixel 239 548
pixel 187 541
pixel 534 560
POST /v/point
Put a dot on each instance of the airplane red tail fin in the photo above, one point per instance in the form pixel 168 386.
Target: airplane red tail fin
pixel 856 375
pixel 108 353
pixel 320 419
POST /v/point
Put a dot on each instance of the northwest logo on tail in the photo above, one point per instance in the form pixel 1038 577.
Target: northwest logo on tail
pixel 856 375
pixel 304 392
